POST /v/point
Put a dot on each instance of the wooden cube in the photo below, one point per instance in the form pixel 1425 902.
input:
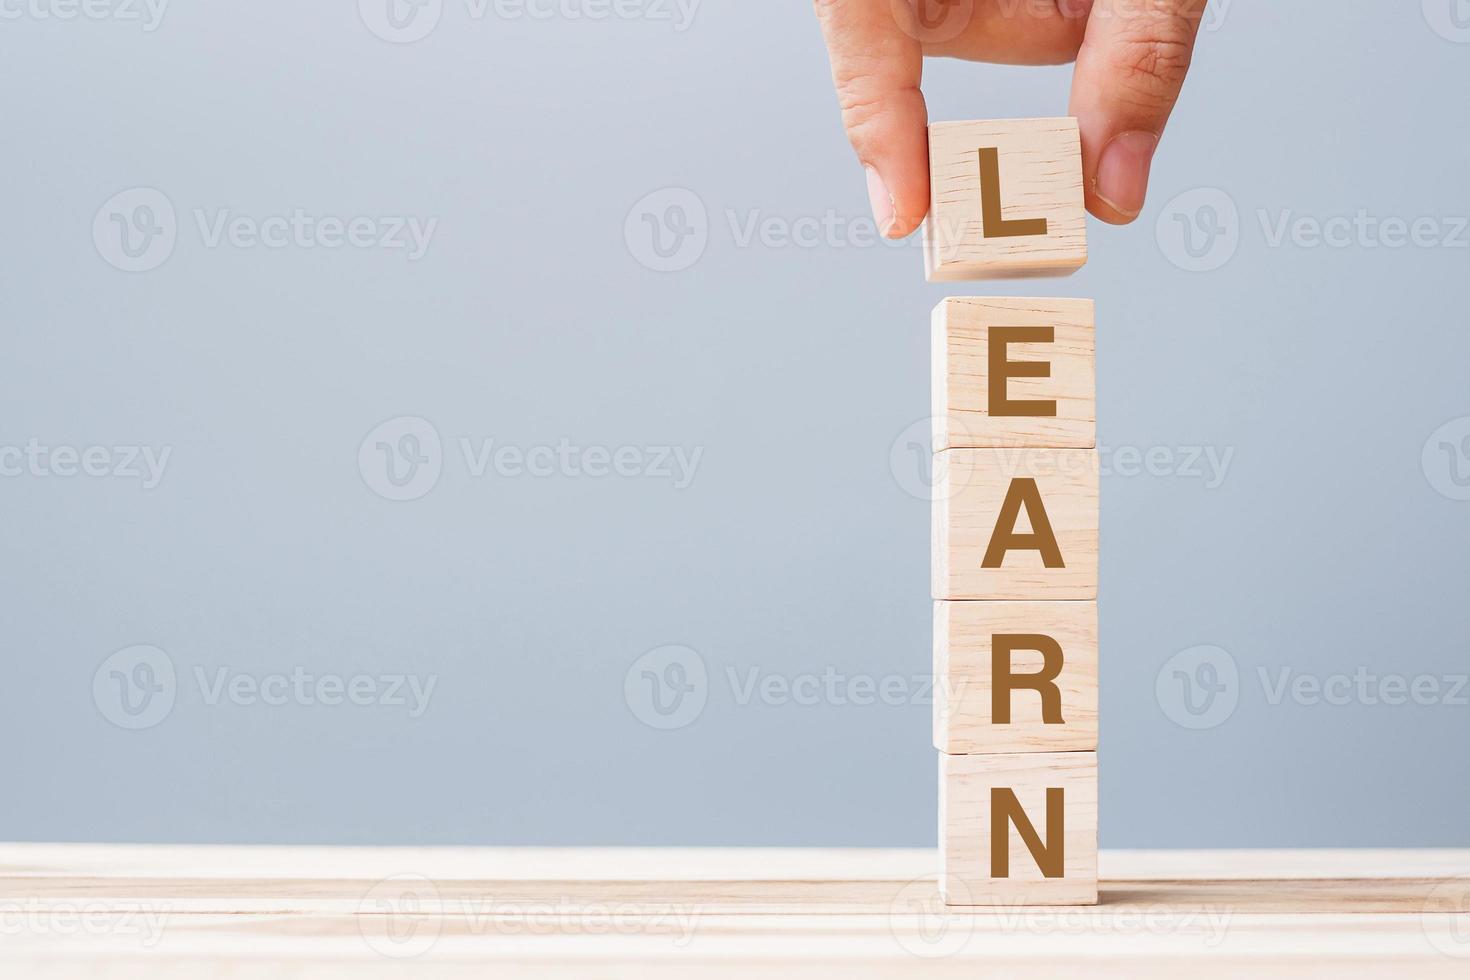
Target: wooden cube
pixel 1005 200
pixel 1015 524
pixel 1014 372
pixel 1018 829
pixel 1014 677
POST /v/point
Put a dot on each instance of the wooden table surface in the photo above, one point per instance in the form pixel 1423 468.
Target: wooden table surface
pixel 85 910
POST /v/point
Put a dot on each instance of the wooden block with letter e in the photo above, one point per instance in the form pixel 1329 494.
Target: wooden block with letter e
pixel 1012 677
pixel 1015 524
pixel 1018 829
pixel 1013 372
pixel 1005 200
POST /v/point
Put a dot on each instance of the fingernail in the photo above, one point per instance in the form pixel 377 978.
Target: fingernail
pixel 1122 171
pixel 881 201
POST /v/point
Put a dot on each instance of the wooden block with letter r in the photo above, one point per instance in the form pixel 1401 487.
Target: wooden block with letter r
pixel 1015 524
pixel 1005 200
pixel 1018 829
pixel 1012 677
pixel 1012 372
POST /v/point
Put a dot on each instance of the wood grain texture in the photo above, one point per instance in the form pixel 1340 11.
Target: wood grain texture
pixel 73 911
pixel 963 677
pixel 1040 177
pixel 963 375
pixel 970 487
pixel 966 873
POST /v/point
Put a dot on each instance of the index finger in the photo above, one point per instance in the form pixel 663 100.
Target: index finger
pixel 876 68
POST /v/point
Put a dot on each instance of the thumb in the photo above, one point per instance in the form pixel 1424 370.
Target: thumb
pixel 1130 70
pixel 877 61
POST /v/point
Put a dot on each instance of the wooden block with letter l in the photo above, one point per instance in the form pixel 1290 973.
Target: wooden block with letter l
pixel 1015 524
pixel 1014 372
pixel 1018 829
pixel 1015 677
pixel 1005 200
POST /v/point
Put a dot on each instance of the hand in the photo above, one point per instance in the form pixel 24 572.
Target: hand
pixel 1132 56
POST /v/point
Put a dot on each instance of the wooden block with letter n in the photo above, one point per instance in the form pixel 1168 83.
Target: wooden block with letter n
pixel 1015 524
pixel 1014 677
pixel 1014 372
pixel 1005 200
pixel 1018 829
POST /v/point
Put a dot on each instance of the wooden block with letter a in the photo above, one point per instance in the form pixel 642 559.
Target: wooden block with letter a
pixel 1005 200
pixel 1012 372
pixel 1012 677
pixel 1018 829
pixel 1015 524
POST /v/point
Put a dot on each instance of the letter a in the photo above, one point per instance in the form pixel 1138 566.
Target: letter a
pixel 1023 492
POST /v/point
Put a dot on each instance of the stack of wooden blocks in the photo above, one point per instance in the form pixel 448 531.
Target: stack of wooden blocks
pixel 1015 520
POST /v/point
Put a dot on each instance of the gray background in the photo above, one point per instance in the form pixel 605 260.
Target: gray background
pixel 801 546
